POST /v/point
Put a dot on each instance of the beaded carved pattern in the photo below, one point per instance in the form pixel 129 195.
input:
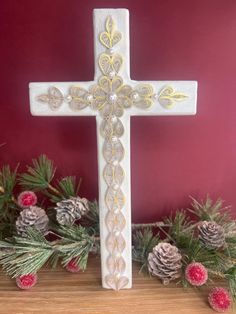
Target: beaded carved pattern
pixel 110 97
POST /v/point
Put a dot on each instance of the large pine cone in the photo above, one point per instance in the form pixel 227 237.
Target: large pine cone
pixel 70 210
pixel 165 262
pixel 211 234
pixel 32 216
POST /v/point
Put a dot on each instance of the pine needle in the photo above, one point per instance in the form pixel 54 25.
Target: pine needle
pixel 143 243
pixel 8 207
pixel 39 175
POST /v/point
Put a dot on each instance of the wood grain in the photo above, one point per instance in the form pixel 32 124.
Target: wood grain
pixel 61 292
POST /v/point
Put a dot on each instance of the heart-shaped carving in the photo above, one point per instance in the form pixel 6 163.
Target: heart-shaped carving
pixel 109 40
pixel 78 98
pixel 116 283
pixel 116 38
pixel 110 129
pixel 109 63
pixel 105 39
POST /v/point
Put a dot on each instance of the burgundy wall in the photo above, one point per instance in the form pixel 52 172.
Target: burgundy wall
pixel 172 157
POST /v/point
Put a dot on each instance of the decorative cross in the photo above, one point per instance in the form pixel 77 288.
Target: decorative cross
pixel 113 97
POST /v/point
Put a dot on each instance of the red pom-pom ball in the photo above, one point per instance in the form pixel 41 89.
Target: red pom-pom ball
pixel 27 199
pixel 219 299
pixel 26 281
pixel 72 267
pixel 196 274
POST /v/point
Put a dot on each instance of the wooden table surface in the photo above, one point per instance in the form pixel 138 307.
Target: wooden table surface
pixel 61 292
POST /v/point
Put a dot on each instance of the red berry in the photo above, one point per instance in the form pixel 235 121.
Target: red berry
pixel 219 299
pixel 72 266
pixel 26 281
pixel 27 199
pixel 196 274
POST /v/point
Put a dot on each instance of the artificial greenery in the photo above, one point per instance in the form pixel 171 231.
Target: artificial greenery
pixel 181 231
pixel 143 243
pixel 40 176
pixel 23 255
pixel 8 206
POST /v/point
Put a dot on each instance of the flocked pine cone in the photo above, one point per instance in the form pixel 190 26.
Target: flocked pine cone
pixel 32 216
pixel 70 210
pixel 211 234
pixel 165 262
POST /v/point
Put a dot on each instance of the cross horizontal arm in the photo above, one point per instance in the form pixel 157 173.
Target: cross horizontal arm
pixel 52 99
pixel 171 98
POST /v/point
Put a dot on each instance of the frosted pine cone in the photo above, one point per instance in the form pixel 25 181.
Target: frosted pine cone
pixel 70 210
pixel 32 216
pixel 165 262
pixel 211 234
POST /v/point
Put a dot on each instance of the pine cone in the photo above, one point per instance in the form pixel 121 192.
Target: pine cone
pixel 165 262
pixel 211 234
pixel 32 216
pixel 70 210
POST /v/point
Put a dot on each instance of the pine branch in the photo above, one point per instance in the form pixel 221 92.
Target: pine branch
pixel 7 180
pixel 181 228
pixel 156 224
pixel 20 256
pixel 230 275
pixel 8 206
pixel 76 242
pixel 143 243
pixel 39 176
pixel 208 210
pixel 67 187
pixel 91 218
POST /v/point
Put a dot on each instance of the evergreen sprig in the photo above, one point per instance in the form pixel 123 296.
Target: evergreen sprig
pixel 26 255
pixel 21 256
pixel 143 243
pixel 76 243
pixel 230 275
pixel 91 218
pixel 180 229
pixel 8 206
pixel 40 177
pixel 210 210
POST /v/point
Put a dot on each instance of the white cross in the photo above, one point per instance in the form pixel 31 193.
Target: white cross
pixel 113 97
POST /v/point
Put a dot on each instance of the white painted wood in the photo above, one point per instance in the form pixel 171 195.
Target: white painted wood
pixel 187 107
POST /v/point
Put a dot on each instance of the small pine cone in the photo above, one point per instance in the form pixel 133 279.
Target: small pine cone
pixel 70 210
pixel 165 262
pixel 32 216
pixel 211 234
